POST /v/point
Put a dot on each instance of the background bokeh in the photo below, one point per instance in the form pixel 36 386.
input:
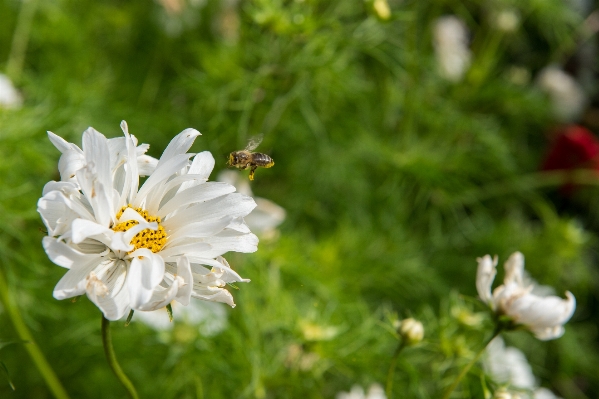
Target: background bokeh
pixel 395 177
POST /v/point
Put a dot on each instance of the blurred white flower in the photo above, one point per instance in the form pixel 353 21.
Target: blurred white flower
pixel 267 215
pixel 128 247
pixel 450 37
pixel 506 20
pixel 544 393
pixel 357 392
pixel 567 97
pixel 10 98
pixel 211 318
pixel 543 316
pixel 508 365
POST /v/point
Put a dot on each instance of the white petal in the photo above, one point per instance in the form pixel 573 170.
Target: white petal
pixel 178 145
pixel 197 230
pixel 162 297
pixel 82 229
pixel 61 144
pixel 542 312
pixel 108 291
pixel 64 255
pixel 146 165
pixel 213 294
pixel 73 283
pixel 485 275
pixel 56 216
pixel 188 249
pixel 73 204
pixel 69 163
pixel 146 271
pixel 98 195
pixel 233 205
pixel 201 166
pixel 197 194
pixel 67 188
pixel 220 245
pixel 514 269
pixel 161 174
pixel 185 289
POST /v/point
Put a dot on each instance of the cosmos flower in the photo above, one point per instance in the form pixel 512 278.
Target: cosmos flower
pixel 544 316
pixel 508 365
pixel 357 392
pixel 130 247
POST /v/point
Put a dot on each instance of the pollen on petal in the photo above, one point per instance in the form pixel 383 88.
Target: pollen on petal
pixel 153 240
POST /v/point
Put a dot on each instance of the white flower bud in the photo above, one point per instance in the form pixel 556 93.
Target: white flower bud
pixel 382 10
pixel 411 330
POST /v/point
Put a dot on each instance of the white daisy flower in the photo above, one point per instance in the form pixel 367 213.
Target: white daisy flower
pixel 130 247
pixel 544 316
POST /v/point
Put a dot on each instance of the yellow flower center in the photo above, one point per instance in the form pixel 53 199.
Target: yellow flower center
pixel 153 240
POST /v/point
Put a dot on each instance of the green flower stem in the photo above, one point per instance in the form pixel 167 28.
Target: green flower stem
pixel 110 356
pixel 453 386
pixel 391 372
pixel 34 351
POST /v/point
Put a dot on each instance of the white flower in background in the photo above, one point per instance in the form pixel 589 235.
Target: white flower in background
pixel 544 316
pixel 357 392
pixel 567 97
pixel 450 37
pixel 128 247
pixel 211 318
pixel 506 20
pixel 10 98
pixel 267 215
pixel 508 365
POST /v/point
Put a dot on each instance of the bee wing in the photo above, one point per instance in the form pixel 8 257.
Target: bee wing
pixel 254 142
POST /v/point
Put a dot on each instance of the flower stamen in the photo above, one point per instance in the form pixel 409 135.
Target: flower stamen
pixel 153 240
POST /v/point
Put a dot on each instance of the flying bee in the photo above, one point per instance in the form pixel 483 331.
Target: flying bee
pixel 246 158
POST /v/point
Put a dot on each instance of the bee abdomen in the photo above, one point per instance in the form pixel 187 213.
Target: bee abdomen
pixel 263 160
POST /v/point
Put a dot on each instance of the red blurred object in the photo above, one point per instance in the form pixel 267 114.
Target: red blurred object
pixel 574 147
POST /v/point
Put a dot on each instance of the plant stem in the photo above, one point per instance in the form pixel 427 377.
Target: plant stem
pixel 34 351
pixel 391 372
pixel 453 386
pixel 111 357
pixel 16 58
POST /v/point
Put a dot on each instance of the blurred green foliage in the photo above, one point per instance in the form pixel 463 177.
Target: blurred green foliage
pixel 393 178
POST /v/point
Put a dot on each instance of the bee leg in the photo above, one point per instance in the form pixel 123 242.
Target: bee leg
pixel 252 171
